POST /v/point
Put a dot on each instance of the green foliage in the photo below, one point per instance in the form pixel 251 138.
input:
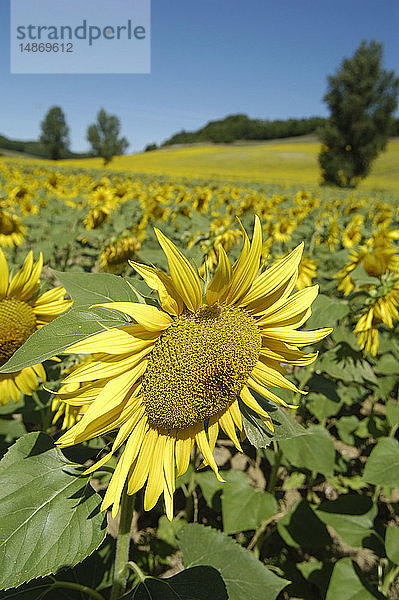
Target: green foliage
pixel 55 133
pixel 191 584
pixel 79 322
pixel 245 577
pixel 346 583
pixel 362 97
pixel 103 137
pixel 49 515
pixel 241 127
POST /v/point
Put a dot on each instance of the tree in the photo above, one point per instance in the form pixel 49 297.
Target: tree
pixel 103 136
pixel 362 98
pixel 55 133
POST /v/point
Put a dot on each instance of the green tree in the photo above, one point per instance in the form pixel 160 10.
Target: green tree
pixel 104 137
pixel 362 97
pixel 55 133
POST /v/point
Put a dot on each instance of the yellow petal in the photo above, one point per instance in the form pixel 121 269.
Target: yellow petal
pixel 221 279
pixel 4 275
pixel 156 480
pixel 156 280
pixel 185 280
pixel 299 338
pixel 245 273
pixel 149 317
pixel 289 309
pixel 203 445
pixel 273 280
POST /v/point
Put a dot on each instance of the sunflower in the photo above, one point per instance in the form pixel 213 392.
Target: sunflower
pixel 22 312
pixel 382 308
pixel 114 255
pixel 306 272
pixel 12 231
pixel 176 375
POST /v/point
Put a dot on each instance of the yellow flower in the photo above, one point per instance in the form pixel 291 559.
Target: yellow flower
pixel 175 376
pixel 96 217
pixel 116 254
pixel 307 272
pixel 383 309
pixel 22 312
pixel 12 231
pixel 376 262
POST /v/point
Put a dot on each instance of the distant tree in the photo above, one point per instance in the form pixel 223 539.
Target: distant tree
pixel 362 98
pixel 55 133
pixel 104 137
pixel 150 147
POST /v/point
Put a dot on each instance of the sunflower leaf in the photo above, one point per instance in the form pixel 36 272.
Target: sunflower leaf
pixel 259 435
pixel 66 330
pixel 49 515
pixel 201 583
pixel 244 575
pixel 87 289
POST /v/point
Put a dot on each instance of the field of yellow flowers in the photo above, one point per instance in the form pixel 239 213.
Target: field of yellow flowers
pixel 314 504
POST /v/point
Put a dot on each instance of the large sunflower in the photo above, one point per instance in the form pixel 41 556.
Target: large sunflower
pixel 175 376
pixel 22 312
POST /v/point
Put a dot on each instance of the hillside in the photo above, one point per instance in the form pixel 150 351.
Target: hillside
pixel 284 162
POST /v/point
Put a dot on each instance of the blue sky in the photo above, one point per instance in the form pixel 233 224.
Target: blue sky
pixel 210 58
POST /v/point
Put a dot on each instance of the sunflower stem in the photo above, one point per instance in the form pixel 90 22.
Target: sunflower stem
pixel 137 570
pixel 79 587
pixel 122 545
pixel 276 465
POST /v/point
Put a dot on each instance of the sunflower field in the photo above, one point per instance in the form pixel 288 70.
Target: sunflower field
pixel 198 387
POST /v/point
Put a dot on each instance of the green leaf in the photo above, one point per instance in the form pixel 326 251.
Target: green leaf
pixel 352 516
pixel 314 452
pixel 301 527
pixel 345 583
pixel 321 406
pixel 392 409
pixel 66 330
pixel 360 276
pixel 346 426
pixel 87 289
pixel 382 467
pixel 49 516
pixel 243 506
pixel 209 486
pixel 392 544
pixel 197 583
pixel 387 365
pixel 258 434
pixel 326 311
pixel 245 577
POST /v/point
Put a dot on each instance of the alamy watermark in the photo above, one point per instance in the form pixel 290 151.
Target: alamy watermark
pixel 80 36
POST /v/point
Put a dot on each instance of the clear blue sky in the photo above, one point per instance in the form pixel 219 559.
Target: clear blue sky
pixel 210 58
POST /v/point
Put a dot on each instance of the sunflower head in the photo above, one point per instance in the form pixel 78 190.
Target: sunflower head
pixel 22 312
pixel 175 375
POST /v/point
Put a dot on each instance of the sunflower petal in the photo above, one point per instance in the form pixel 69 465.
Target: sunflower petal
pixel 185 280
pixel 149 317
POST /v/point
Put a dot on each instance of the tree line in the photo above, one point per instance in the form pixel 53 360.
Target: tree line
pixel 361 96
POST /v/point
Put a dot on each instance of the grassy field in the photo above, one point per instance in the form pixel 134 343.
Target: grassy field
pixel 290 162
